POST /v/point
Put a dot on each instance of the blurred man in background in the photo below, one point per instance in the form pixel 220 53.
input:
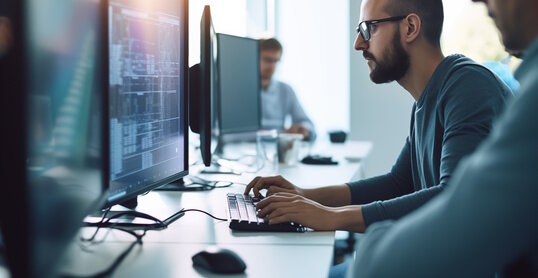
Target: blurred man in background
pixel 278 98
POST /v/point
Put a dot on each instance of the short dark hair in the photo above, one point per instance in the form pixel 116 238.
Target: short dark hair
pixel 270 44
pixel 430 12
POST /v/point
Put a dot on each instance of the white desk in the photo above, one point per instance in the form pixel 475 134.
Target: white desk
pixel 168 253
pixel 174 260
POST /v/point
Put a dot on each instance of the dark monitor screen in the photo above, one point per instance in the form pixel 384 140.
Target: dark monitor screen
pixel 239 81
pixel 147 87
pixel 202 89
pixel 54 167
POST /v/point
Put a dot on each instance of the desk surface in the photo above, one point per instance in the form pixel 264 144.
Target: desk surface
pixel 168 253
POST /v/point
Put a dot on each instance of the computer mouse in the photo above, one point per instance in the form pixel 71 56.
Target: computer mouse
pixel 219 260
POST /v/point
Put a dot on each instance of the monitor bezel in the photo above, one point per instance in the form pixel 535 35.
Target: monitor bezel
pixel 201 91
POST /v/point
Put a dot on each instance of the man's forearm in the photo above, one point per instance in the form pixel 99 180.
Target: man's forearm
pixel 349 218
pixel 332 196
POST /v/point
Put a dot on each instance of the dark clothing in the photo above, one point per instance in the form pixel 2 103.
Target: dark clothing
pixel 486 220
pixel 451 118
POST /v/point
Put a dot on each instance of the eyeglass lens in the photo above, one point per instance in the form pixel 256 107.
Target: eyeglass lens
pixel 363 29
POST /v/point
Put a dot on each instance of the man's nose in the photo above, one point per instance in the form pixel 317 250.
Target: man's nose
pixel 360 43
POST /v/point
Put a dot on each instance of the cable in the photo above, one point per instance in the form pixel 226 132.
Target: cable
pixel 240 183
pixel 155 226
pixel 96 230
pixel 209 214
pixel 110 270
pixel 209 183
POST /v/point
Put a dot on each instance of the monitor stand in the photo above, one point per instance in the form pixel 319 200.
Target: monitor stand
pixel 180 185
pixel 215 167
pixel 131 203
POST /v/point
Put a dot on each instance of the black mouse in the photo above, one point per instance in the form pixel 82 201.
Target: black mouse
pixel 219 260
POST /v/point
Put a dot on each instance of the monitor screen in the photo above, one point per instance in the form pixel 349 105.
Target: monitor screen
pixel 147 86
pixel 239 81
pixel 54 119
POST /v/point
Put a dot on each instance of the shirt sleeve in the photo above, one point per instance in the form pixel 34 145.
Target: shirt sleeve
pixel 485 220
pixel 467 109
pixel 395 183
pixel 298 115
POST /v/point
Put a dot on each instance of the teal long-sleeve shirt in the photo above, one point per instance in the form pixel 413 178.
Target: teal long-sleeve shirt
pixel 451 118
pixel 487 219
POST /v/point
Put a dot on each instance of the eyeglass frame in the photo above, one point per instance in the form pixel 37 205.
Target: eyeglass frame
pixel 372 22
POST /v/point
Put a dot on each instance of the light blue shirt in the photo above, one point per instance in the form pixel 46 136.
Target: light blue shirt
pixel 486 221
pixel 278 102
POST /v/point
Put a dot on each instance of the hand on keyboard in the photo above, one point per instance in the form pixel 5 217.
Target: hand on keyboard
pixel 286 207
pixel 244 216
pixel 257 198
pixel 273 185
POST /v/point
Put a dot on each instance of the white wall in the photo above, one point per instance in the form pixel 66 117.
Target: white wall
pixel 228 17
pixel 332 79
pixel 379 113
pixel 315 61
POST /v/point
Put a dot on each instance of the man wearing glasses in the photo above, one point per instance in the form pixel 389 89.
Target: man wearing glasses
pixel 278 98
pixel 486 221
pixel 456 103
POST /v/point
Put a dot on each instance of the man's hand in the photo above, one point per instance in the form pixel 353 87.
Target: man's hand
pixel 299 129
pixel 286 207
pixel 273 185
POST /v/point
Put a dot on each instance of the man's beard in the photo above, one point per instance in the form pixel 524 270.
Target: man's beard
pixel 395 63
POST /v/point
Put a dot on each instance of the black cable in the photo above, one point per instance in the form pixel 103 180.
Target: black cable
pixel 97 229
pixel 138 214
pixel 108 223
pixel 210 184
pixel 209 214
pixel 110 270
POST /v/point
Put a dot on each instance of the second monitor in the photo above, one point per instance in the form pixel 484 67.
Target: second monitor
pixel 239 81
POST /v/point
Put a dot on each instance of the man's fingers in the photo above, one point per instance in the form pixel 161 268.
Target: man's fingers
pixel 272 190
pixel 289 217
pixel 273 202
pixel 268 208
pixel 278 197
pixel 260 183
pixel 251 184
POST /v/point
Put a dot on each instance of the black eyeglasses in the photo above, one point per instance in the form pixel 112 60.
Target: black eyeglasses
pixel 364 26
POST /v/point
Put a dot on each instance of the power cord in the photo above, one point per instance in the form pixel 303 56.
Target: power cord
pixel 110 270
pixel 207 213
pixel 107 224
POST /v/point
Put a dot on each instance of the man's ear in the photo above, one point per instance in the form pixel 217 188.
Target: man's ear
pixel 412 25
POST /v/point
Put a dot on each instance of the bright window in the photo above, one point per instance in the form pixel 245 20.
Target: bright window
pixel 470 31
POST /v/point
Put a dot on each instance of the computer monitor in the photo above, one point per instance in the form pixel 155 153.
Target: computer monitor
pixel 202 88
pixel 239 81
pixel 52 80
pixel 148 46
